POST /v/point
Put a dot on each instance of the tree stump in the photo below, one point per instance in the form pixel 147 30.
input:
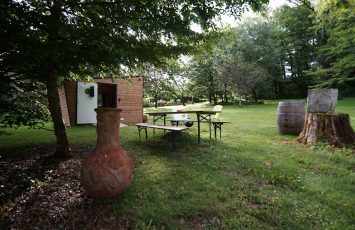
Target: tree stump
pixel 322 100
pixel 331 127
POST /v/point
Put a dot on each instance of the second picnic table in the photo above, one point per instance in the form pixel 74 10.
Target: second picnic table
pixel 202 116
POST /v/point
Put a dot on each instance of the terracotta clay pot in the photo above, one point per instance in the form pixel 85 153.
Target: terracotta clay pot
pixel 107 171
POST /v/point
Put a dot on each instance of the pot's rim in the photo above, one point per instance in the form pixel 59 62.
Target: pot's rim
pixel 108 110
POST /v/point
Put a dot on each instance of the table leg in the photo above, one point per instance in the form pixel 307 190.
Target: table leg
pixel 139 132
pixel 198 129
pixel 172 139
pixel 209 122
pixel 154 124
pixel 215 130
pixel 164 121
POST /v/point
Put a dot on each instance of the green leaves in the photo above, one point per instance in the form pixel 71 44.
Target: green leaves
pixel 336 31
pixel 297 43
pixel 22 102
pixel 103 34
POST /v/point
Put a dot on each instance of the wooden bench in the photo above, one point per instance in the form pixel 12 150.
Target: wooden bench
pixel 171 129
pixel 218 125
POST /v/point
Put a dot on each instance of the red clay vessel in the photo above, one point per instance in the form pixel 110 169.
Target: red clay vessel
pixel 107 171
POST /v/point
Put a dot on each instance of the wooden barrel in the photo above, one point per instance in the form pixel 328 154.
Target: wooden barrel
pixel 290 117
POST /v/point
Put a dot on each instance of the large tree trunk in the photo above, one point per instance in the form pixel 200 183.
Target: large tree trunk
pixel 60 131
pixel 332 128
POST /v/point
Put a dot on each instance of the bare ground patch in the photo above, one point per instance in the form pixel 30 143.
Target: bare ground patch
pixel 38 191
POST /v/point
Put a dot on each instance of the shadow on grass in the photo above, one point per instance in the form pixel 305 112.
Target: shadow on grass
pixel 5 133
pixel 191 187
pixel 209 185
pixel 217 184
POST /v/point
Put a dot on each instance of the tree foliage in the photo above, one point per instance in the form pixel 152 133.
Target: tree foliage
pixel 240 76
pixel 22 102
pixel 300 45
pixel 258 40
pixel 59 39
pixel 203 79
pixel 156 85
pixel 297 45
pixel 335 29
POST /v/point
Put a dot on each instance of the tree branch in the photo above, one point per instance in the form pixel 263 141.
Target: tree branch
pixel 305 3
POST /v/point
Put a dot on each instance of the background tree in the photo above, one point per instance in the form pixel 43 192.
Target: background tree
pixel 179 73
pixel 335 29
pixel 203 67
pixel 298 46
pixel 157 85
pixel 57 39
pixel 241 76
pixel 203 77
pixel 257 39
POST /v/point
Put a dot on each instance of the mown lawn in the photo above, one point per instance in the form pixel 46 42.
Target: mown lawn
pixel 252 178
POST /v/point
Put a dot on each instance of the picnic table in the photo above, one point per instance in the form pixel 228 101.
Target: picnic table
pixel 202 116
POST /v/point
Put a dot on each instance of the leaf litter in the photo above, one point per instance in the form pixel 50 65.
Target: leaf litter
pixel 39 191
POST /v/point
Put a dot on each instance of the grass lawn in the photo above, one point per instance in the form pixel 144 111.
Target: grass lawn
pixel 252 178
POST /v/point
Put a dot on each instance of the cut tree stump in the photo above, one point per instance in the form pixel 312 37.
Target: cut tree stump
pixel 333 128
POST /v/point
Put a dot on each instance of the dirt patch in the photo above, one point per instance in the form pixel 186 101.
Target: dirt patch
pixel 201 221
pixel 38 191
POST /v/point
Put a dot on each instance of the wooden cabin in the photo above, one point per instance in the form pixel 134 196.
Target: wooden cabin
pixel 78 99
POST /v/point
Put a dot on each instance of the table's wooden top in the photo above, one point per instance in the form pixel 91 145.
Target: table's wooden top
pixel 211 112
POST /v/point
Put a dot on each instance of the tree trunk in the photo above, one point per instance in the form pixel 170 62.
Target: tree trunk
pixel 155 100
pixel 276 88
pixel 221 95
pixel 225 93
pixel 60 131
pixel 52 83
pixel 215 101
pixel 183 100
pixel 254 95
pixel 333 128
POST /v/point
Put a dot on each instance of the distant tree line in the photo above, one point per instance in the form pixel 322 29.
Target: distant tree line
pixel 282 55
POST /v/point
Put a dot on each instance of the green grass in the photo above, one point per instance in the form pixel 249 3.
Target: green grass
pixel 252 178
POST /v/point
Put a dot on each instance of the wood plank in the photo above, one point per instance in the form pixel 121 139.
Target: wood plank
pixel 181 112
pixel 170 128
